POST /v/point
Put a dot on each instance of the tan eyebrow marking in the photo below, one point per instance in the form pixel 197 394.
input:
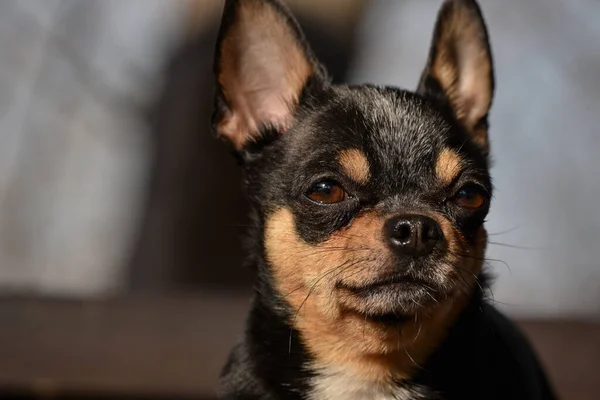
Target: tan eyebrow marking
pixel 355 164
pixel 448 165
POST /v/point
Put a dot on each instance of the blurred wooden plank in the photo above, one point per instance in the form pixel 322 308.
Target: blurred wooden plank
pixel 570 350
pixel 175 346
pixel 161 346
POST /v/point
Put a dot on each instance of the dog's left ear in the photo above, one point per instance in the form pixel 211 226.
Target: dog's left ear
pixel 459 73
pixel 262 65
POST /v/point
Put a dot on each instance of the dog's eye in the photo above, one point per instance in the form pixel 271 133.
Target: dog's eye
pixel 327 192
pixel 470 196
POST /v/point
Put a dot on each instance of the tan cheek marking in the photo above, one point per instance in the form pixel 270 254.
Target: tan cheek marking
pixel 296 264
pixel 343 339
pixel 448 166
pixel 355 165
pixel 335 337
pixel 300 268
pixel 452 235
pixel 468 259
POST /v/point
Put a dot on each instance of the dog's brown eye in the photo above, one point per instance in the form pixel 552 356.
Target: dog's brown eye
pixel 470 196
pixel 327 192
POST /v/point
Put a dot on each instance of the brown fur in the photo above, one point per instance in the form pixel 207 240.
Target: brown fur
pixel 337 334
pixel 448 166
pixel 355 165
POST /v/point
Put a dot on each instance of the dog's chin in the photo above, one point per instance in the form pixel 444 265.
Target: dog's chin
pixel 392 300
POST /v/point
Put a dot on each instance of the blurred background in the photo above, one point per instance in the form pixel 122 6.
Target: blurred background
pixel 121 217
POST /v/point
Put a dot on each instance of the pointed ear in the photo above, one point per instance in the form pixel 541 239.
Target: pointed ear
pixel 262 65
pixel 459 72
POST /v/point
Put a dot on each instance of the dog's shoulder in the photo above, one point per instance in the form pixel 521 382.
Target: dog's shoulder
pixel 238 380
pixel 511 359
pixel 487 356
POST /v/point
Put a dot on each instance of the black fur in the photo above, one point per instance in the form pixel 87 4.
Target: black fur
pixel 401 133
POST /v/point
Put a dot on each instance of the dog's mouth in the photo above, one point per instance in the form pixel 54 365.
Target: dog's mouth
pixel 397 283
pixel 391 299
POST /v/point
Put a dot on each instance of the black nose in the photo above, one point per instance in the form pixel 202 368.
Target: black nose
pixel 413 235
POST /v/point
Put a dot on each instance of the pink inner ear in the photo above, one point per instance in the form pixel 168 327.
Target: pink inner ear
pixel 474 86
pixel 263 71
pixel 244 124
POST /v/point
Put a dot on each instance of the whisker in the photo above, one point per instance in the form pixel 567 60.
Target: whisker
pixel 419 331
pixel 484 259
pixel 514 246
pixel 430 295
pixel 462 279
pixel 505 231
pixel 410 357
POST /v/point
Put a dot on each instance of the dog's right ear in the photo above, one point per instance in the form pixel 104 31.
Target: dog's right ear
pixel 459 72
pixel 262 65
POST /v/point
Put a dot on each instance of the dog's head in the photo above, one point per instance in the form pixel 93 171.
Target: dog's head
pixel 370 200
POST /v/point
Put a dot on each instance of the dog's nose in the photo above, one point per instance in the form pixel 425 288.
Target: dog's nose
pixel 413 234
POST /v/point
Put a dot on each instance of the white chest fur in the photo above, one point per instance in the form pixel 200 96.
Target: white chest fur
pixel 339 385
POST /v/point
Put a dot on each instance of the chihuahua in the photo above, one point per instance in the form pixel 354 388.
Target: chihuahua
pixel 368 207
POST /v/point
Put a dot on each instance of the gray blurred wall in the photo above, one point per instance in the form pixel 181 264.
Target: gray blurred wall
pixel 544 136
pixel 74 81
